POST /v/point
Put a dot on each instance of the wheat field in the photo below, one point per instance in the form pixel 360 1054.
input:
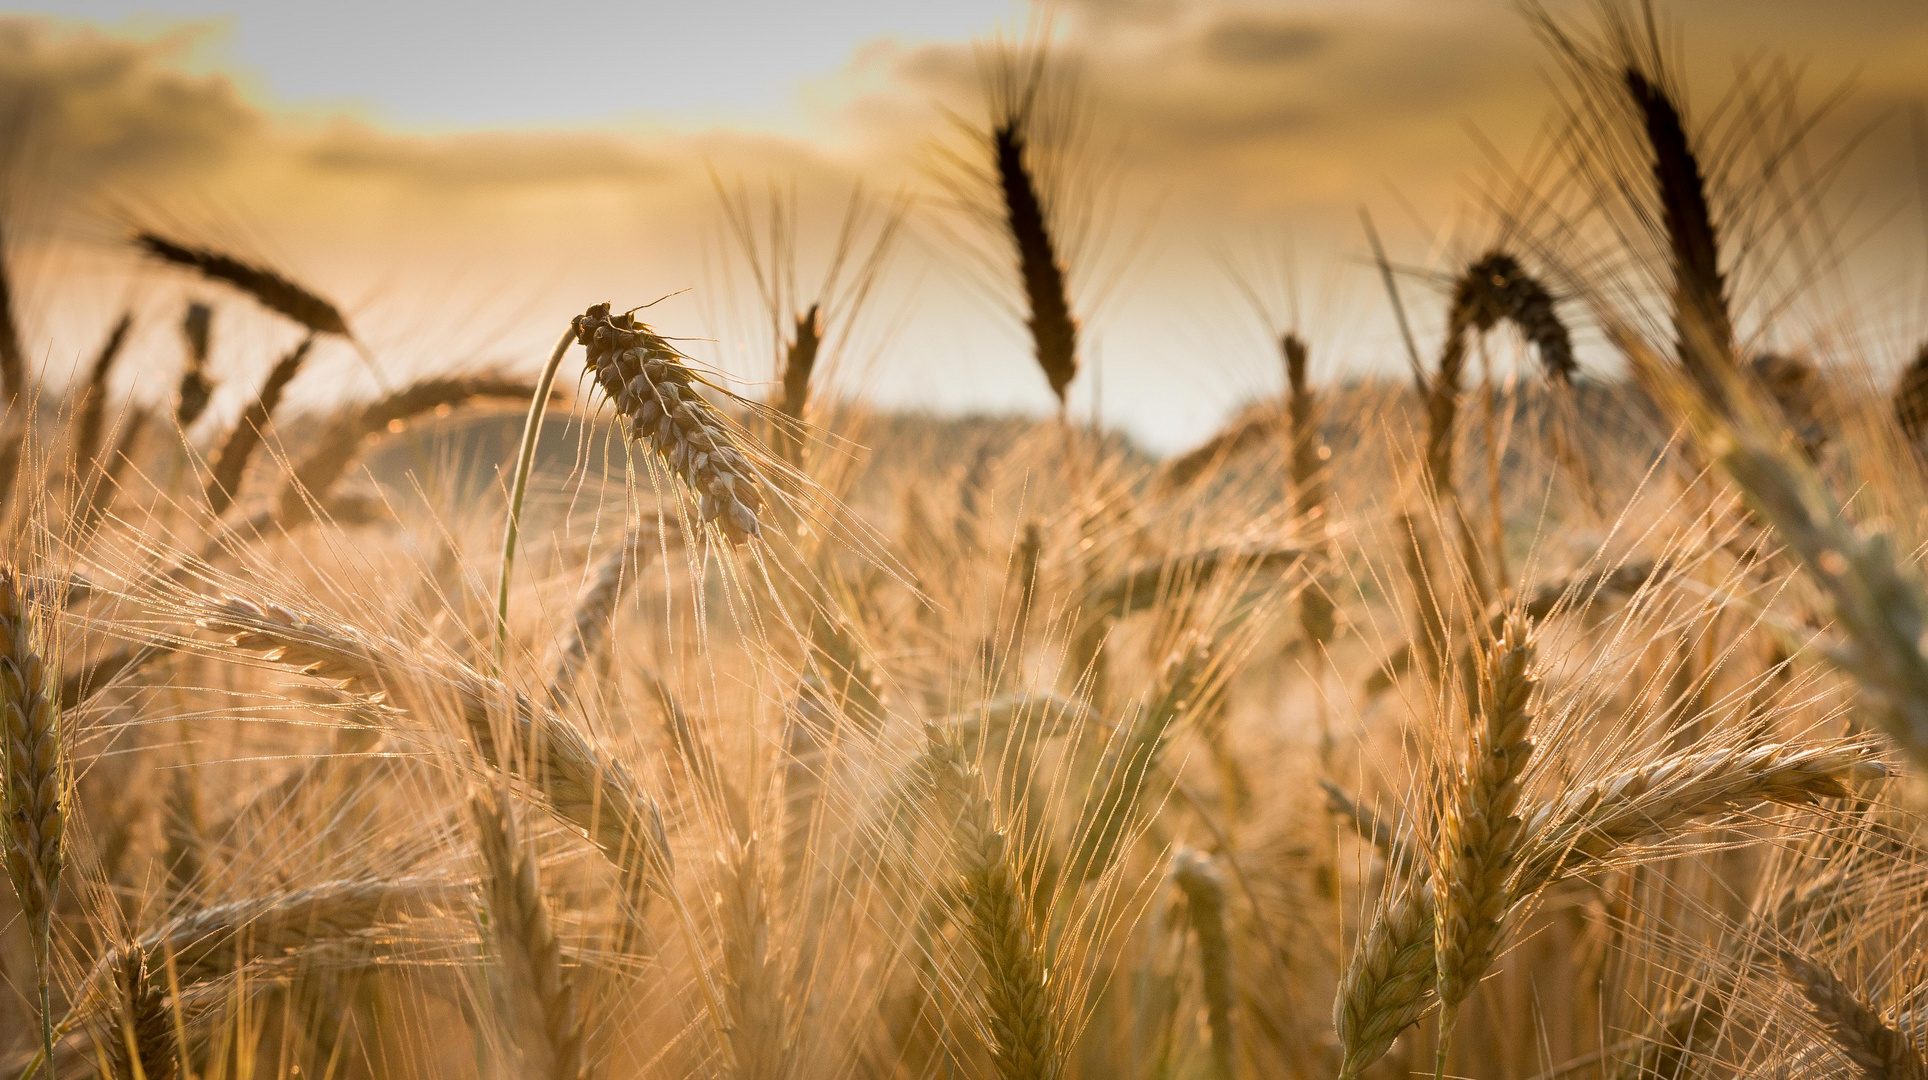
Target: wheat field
pixel 1495 715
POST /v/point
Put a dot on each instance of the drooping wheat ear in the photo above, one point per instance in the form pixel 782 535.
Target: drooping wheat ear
pixel 37 773
pixel 231 460
pixel 91 410
pixel 1021 1013
pixel 799 361
pixel 1389 982
pixel 579 782
pixel 1590 823
pixel 525 945
pixel 13 355
pixel 197 330
pixel 1878 1051
pixel 138 1030
pixel 761 1036
pixel 654 390
pixel 1911 404
pixel 1495 288
pixel 334 451
pixel 1204 887
pixel 1481 833
pixel 271 290
pixel 1054 332
pixel 589 624
pixel 1703 327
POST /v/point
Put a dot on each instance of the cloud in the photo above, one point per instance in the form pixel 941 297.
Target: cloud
pixel 1263 40
pixel 477 162
pixel 98 108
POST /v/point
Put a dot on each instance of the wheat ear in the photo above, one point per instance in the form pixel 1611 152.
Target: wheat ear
pixel 271 290
pixel 1204 889
pixel 1481 834
pixel 1592 822
pixel 91 411
pixel 36 776
pixel 525 942
pixel 1018 998
pixel 581 784
pixel 654 390
pixel 231 461
pixel 589 623
pixel 1389 982
pixel 799 362
pixel 140 1036
pixel 196 389
pixel 1703 327
pixel 1054 332
pixel 1878 1051
pixel 13 356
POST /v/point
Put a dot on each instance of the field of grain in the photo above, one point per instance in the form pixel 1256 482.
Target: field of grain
pixel 1496 717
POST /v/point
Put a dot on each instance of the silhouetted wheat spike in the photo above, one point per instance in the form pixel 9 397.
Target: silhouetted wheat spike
pixel 799 361
pixel 1699 290
pixel 1911 404
pixel 1878 1051
pixel 271 290
pixel 653 389
pixel 36 776
pixel 1054 332
pixel 1309 454
pixel 13 356
pixel 92 407
pixel 231 461
pixel 197 327
pixel 1493 289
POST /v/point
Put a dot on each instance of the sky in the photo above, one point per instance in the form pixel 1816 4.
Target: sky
pixel 463 180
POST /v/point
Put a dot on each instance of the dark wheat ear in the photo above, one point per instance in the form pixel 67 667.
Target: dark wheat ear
pixel 231 461
pixel 654 391
pixel 1703 326
pixel 1054 333
pixel 1911 404
pixel 197 328
pixel 273 291
pixel 13 356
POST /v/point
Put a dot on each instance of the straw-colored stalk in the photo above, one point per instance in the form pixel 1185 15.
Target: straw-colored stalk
pixel 36 776
pixel 1020 1011
pixel 528 957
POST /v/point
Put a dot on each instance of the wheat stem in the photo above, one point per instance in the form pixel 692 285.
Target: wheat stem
pixel 519 485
